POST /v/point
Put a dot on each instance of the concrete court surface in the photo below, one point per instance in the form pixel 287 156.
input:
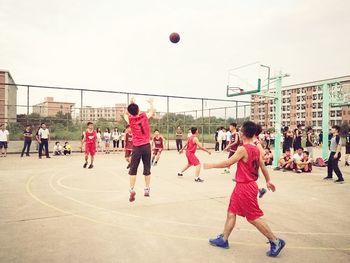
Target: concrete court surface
pixel 53 210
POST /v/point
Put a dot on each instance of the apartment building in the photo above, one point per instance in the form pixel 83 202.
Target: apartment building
pixel 115 113
pixel 8 98
pixel 49 108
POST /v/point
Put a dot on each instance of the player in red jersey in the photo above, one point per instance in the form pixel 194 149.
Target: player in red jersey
pixel 191 147
pixel 140 130
pixel 90 138
pixel 257 142
pixel 158 142
pixel 244 197
pixel 128 145
pixel 234 143
pixel 285 162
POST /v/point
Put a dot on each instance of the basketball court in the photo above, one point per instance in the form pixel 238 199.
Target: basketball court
pixel 56 211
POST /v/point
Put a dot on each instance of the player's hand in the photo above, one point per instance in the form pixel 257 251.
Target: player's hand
pixel 132 100
pixel 206 166
pixel 209 152
pixel 181 151
pixel 336 156
pixel 271 186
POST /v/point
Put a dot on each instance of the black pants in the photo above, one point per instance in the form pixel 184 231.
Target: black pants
pixel 44 144
pixel 116 144
pixel 26 147
pixel 333 166
pixel 141 152
pixel 178 144
pixel 65 152
pixel 223 145
pixel 123 144
pixel 217 145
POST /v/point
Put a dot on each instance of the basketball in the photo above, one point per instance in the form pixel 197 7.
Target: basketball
pixel 174 37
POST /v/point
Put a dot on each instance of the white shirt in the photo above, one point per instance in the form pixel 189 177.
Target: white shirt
pixel 106 135
pixel 44 134
pixel 224 136
pixel 4 135
pixel 297 157
pixel 122 137
pixel 57 148
pixel 220 135
pixel 228 135
pixel 115 136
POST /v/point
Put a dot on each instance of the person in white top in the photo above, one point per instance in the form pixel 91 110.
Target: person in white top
pixel 220 137
pixel 44 138
pixel 122 138
pixel 107 140
pixel 224 140
pixel 115 138
pixel 297 157
pixel 4 140
pixel 98 140
pixel 57 149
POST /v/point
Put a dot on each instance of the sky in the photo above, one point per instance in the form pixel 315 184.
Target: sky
pixel 124 45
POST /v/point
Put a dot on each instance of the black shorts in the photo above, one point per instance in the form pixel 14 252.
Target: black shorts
pixel 3 145
pixel 141 152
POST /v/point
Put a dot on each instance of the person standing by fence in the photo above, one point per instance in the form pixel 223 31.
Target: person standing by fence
pixel 44 138
pixel 178 135
pixel 27 134
pixel 310 142
pixel 4 139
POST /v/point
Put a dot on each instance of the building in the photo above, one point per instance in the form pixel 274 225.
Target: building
pixel 50 108
pixel 8 98
pixel 115 113
pixel 301 104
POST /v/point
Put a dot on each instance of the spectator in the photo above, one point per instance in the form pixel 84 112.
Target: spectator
pixel 115 138
pixel 217 145
pixel 99 139
pixel 305 164
pixel 67 148
pixel 272 138
pixel 4 140
pixel 178 136
pixel 320 138
pixel 27 134
pixel 297 158
pixel 57 149
pixel 310 142
pixel 107 140
pixel 44 138
pixel 347 149
pixel 122 138
pixel 287 139
pixel 268 157
pixel 285 162
pixel 297 137
pixel 268 139
pixel 228 136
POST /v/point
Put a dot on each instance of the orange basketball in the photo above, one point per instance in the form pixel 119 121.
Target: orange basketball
pixel 174 37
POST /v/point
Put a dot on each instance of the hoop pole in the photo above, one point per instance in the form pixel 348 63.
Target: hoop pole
pixel 325 120
pixel 278 119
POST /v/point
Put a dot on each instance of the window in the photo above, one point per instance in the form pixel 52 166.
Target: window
pixel 314 115
pixel 303 98
pixel 303 115
pixel 314 123
pixel 303 106
pixel 319 114
pixel 332 114
pixel 298 99
pixel 320 97
pixel 284 100
pixel 314 97
pixel 319 105
pixel 314 105
pixel 339 113
pixel 314 89
pixel 284 108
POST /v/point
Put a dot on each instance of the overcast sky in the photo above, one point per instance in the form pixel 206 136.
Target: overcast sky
pixel 123 45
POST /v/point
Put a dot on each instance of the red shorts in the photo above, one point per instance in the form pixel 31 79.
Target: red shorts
pixel 128 153
pixel 157 150
pixel 192 159
pixel 244 201
pixel 90 148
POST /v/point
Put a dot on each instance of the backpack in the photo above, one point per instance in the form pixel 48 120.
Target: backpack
pixel 320 162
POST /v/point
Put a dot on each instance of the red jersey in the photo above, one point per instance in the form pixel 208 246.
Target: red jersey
pixel 140 129
pixel 90 137
pixel 158 143
pixel 191 146
pixel 248 171
pixel 234 139
pixel 128 141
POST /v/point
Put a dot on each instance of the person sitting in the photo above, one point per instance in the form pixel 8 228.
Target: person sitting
pixel 57 149
pixel 285 162
pixel 268 157
pixel 67 149
pixel 305 164
pixel 297 159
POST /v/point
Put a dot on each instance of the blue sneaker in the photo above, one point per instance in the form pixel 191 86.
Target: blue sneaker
pixel 219 242
pixel 275 249
pixel 262 192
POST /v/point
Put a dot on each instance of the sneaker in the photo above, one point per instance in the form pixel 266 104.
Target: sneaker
pixel 262 192
pixel 132 196
pixel 277 168
pixel 284 170
pixel 339 181
pixel 180 174
pixel 299 171
pixel 199 180
pixel 219 242
pixel 147 192
pixel 48 157
pixel 90 166
pixel 85 165
pixel 327 178
pixel 275 249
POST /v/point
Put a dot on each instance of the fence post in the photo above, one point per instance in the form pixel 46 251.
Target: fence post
pixel 236 111
pixel 81 112
pixel 245 111
pixel 225 116
pixel 209 124
pixel 27 104
pixel 202 122
pixel 167 120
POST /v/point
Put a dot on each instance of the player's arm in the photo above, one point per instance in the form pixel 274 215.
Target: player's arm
pixel 84 139
pixel 265 172
pixel 239 154
pixel 183 148
pixel 151 109
pixel 196 141
pixel 338 150
pixel 228 146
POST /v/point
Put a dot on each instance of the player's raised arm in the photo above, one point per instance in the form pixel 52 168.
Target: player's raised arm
pixel 151 109
pixel 239 154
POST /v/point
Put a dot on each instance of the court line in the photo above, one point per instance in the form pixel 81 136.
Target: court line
pixel 183 223
pixel 29 191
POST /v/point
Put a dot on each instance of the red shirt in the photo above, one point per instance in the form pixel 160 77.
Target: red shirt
pixel 234 139
pixel 248 171
pixel 158 142
pixel 90 137
pixel 140 129
pixel 191 146
pixel 128 141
